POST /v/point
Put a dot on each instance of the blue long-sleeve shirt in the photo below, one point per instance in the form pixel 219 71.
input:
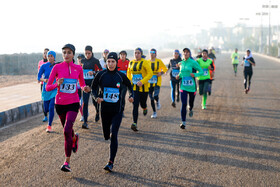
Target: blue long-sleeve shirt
pixel 46 70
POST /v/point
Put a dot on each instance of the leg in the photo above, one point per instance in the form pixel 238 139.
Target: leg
pixel 205 89
pixel 250 74
pixel 178 91
pixel 172 84
pixel 143 99
pixel 45 113
pixel 106 119
pixel 51 111
pixel 151 95
pixel 135 106
pixel 191 100
pixel 184 98
pixel 69 132
pixel 96 105
pixel 245 80
pixel 46 106
pixel 85 107
pixel 156 93
pixel 116 122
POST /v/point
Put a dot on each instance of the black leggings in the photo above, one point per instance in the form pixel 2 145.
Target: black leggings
pixel 111 123
pixel 139 97
pixel 235 67
pixel 247 78
pixel 175 86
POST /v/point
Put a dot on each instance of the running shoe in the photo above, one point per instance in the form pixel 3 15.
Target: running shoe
pixel 145 111
pixel 97 118
pixel 134 127
pixel 245 91
pixel 82 118
pixel 75 143
pixel 45 119
pixel 154 115
pixel 182 126
pixel 203 107
pixel 85 125
pixel 248 89
pixel 158 105
pixel 109 166
pixel 49 129
pixel 178 99
pixel 191 113
pixel 65 167
pixel 173 104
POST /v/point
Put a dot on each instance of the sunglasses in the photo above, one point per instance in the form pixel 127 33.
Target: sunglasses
pixel 153 52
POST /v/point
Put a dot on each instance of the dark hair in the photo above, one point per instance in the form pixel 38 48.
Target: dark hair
pixel 46 49
pixel 123 52
pixel 205 50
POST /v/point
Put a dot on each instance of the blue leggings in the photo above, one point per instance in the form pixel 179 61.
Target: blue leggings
pixel 49 107
pixel 85 107
pixel 111 123
pixel 184 99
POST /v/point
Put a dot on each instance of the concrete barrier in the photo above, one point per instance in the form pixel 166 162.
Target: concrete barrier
pixel 20 113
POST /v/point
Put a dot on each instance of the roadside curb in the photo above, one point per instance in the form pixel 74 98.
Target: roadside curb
pixel 268 57
pixel 19 113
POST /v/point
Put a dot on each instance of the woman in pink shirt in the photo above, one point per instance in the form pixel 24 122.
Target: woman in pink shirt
pixel 67 75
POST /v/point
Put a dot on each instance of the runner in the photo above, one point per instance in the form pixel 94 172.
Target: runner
pixel 40 63
pixel 158 69
pixel 212 72
pixel 235 60
pixel 188 85
pixel 102 60
pixel 122 67
pixel 80 92
pixel 199 54
pixel 67 74
pixel 174 83
pixel 139 72
pixel 248 62
pixel 206 64
pixel 48 97
pixel 90 67
pixel 111 82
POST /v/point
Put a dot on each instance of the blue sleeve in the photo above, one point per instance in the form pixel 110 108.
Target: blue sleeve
pixel 40 73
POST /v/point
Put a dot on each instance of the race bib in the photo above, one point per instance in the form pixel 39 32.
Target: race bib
pixel 136 78
pixel 153 80
pixel 87 75
pixel 187 81
pixel 246 63
pixel 235 57
pixel 68 86
pixel 205 71
pixel 123 71
pixel 175 72
pixel 111 95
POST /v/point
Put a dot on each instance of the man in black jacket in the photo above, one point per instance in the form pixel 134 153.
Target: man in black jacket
pixel 91 66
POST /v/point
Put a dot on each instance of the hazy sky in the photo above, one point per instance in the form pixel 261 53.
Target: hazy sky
pixel 31 25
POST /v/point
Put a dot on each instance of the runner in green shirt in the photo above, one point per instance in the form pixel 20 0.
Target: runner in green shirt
pixel 206 64
pixel 188 86
pixel 235 60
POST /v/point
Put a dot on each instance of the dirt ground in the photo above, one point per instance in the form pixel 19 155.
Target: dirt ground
pixel 8 80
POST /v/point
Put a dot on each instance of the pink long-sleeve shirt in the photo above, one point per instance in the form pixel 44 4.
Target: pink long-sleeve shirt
pixel 67 93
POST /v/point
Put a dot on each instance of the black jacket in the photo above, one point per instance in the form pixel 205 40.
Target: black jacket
pixel 172 65
pixel 249 68
pixel 114 80
pixel 92 64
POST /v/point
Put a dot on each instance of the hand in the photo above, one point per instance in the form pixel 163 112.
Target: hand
pixel 159 74
pixel 60 81
pixel 87 89
pixel 99 100
pixel 139 84
pixel 90 73
pixel 46 80
pixel 209 67
pixel 192 75
pixel 131 99
pixel 177 77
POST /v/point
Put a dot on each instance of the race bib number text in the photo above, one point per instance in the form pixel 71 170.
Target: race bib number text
pixel 111 95
pixel 68 86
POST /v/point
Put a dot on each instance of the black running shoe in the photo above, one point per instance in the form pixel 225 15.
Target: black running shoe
pixel 145 112
pixel 134 127
pixel 191 113
pixel 85 125
pixel 109 166
pixel 183 126
pixel 97 118
pixel 66 167
pixel 173 104
pixel 178 99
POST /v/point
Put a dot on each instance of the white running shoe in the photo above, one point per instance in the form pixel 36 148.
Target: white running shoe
pixel 154 115
pixel 82 118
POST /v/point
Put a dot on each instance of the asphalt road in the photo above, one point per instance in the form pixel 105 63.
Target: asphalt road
pixel 235 142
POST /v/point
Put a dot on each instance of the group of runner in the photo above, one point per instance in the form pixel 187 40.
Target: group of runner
pixel 67 87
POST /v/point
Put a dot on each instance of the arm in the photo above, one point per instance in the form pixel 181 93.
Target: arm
pixel 197 67
pixel 95 86
pixel 129 76
pixel 40 73
pixel 81 79
pixel 127 83
pixel 162 67
pixel 252 61
pixel 147 67
pixel 50 86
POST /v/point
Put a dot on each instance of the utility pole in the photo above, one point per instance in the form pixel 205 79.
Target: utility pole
pixel 261 30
